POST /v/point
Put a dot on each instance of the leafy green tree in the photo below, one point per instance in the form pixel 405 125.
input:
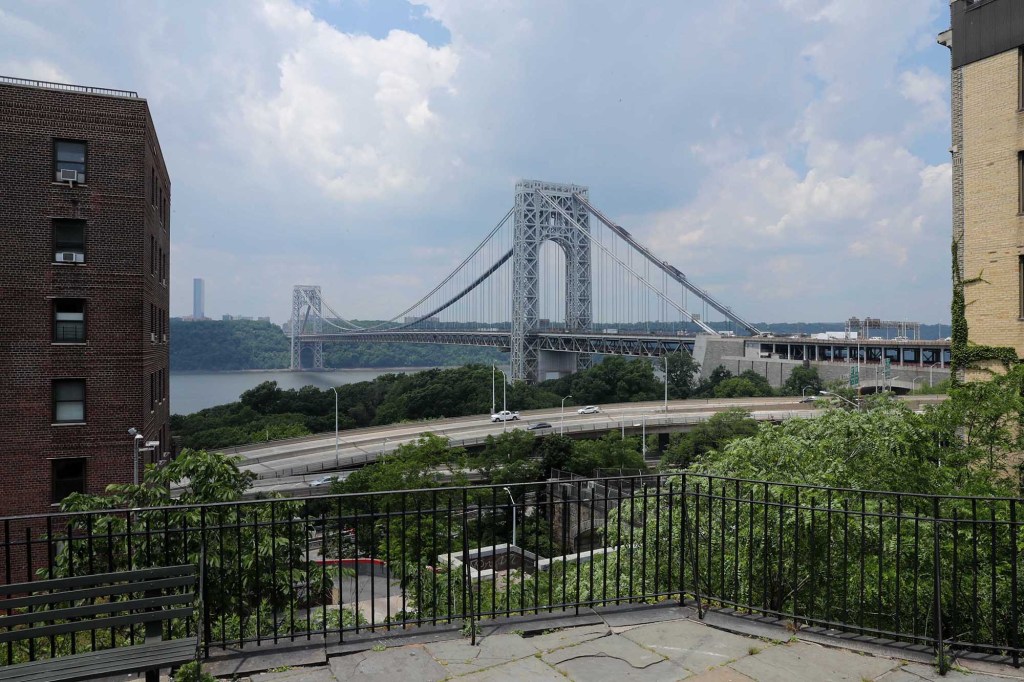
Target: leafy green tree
pixel 251 565
pixel 612 451
pixel 706 436
pixel 800 378
pixel 556 452
pixel 683 371
pixel 706 387
pixel 616 380
pixel 507 457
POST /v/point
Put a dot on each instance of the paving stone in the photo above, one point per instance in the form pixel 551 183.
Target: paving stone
pixel 694 646
pixel 929 672
pixel 403 663
pixel 568 637
pixel 613 646
pixel 591 668
pixel 461 658
pixel 531 668
pixel 800 662
pixel 320 673
pixel 722 674
pixel 899 675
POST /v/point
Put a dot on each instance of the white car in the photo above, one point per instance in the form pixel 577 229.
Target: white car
pixel 323 480
pixel 589 409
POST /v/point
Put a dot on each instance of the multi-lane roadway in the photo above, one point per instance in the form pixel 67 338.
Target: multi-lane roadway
pixel 290 465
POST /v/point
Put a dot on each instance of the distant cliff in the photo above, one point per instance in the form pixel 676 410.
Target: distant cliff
pixel 214 345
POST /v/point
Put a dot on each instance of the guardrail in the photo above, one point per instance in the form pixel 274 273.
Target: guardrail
pixel 932 571
pixel 68 87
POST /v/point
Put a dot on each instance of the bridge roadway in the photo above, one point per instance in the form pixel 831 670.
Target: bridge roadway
pixel 288 466
pixel 625 343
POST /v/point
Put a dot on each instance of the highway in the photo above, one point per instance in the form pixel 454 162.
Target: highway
pixel 289 465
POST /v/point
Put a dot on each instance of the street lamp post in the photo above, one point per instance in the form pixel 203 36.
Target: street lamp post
pixel 492 388
pixel 643 435
pixel 561 425
pixel 845 400
pixel 665 358
pixel 337 457
pixel 137 439
pixel 803 391
pixel 513 501
pixel 914 382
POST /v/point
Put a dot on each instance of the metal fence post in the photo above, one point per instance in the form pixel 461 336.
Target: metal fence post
pixel 467 581
pixel 940 647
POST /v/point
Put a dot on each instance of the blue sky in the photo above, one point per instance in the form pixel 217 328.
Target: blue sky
pixel 788 155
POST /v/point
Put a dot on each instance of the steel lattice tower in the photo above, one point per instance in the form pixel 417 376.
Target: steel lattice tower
pixel 307 307
pixel 536 221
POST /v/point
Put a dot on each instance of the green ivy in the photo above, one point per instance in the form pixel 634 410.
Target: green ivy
pixel 964 354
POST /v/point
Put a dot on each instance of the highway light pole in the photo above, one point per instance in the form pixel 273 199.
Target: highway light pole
pixel 665 358
pixel 803 391
pixel 504 399
pixel 561 425
pixel 845 400
pixel 337 458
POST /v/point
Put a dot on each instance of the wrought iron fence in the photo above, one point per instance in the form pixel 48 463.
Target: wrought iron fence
pixel 941 572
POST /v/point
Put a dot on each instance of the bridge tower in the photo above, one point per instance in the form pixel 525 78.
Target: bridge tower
pixel 548 211
pixel 307 308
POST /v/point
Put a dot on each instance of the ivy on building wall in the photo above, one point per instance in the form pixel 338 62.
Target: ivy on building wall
pixel 965 355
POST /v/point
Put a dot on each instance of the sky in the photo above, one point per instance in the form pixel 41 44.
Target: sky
pixel 790 156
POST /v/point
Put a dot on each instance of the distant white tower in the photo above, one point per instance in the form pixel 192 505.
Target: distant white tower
pixel 198 299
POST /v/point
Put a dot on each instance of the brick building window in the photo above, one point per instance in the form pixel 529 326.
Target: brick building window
pixel 68 476
pixel 1020 182
pixel 69 155
pixel 68 400
pixel 1020 78
pixel 68 241
pixel 69 320
pixel 1020 286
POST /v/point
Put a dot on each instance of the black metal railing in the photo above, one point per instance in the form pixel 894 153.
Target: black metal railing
pixel 68 87
pixel 934 571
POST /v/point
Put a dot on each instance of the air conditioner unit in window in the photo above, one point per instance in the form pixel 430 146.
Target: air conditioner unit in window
pixel 152 337
pixel 69 257
pixel 164 338
pixel 68 175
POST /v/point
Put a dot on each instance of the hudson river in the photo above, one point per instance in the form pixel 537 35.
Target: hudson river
pixel 193 391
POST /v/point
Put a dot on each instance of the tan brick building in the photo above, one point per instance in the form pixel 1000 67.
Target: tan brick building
pixel 84 275
pixel 987 90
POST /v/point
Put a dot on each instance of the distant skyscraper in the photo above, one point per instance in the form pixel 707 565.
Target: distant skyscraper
pixel 198 298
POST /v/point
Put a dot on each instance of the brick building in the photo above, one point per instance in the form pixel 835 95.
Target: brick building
pixel 84 272
pixel 986 40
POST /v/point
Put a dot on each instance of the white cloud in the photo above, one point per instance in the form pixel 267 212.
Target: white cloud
pixel 758 146
pixel 34 69
pixel 929 91
pixel 350 112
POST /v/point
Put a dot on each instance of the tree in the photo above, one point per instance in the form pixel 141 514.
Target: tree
pixel 682 372
pixel 706 436
pixel 251 565
pixel 556 452
pixel 747 384
pixel 706 387
pixel 507 457
pixel 800 378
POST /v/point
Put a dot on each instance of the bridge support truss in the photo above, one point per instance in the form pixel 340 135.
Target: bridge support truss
pixel 307 318
pixel 538 219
